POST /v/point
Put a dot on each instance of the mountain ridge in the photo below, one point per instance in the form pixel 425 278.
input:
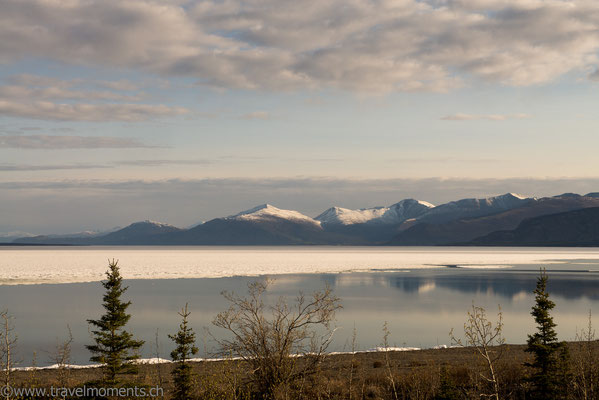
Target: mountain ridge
pixel 407 222
pixel 572 228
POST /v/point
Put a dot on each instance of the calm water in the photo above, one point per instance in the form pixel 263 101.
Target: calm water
pixel 421 304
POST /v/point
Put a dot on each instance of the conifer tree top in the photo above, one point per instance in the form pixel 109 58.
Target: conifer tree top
pixel 540 311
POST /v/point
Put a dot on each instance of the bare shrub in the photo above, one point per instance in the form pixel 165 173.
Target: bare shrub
pixel 586 369
pixel 62 358
pixel 282 342
pixel 385 348
pixel 7 342
pixel 419 384
pixel 487 341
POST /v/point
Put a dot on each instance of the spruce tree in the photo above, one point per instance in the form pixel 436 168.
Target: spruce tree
pixel 550 355
pixel 114 346
pixel 182 373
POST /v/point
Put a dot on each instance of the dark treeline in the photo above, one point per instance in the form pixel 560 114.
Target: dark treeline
pixel 279 351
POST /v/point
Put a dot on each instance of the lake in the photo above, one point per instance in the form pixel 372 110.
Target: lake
pixel 421 292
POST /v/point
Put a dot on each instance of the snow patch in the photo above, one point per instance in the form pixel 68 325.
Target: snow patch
pixel 394 214
pixel 155 223
pixel 518 196
pixel 155 361
pixel 386 349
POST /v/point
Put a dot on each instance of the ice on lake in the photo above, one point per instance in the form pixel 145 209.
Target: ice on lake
pixel 31 265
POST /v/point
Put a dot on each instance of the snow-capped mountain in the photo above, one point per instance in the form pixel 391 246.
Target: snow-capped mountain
pixel 467 208
pixel 408 222
pixel 268 212
pixel 261 225
pixel 394 214
pixel 465 229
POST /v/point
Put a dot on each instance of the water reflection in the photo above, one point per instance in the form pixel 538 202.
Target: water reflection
pixel 569 285
pixel 421 306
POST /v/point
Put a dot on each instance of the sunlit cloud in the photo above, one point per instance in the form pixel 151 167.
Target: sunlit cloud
pixel 159 163
pixel 47 110
pixel 16 168
pixel 67 142
pixel 256 115
pixel 360 45
pixel 47 98
pixel 489 117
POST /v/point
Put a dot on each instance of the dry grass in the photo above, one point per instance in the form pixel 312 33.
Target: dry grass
pixel 424 374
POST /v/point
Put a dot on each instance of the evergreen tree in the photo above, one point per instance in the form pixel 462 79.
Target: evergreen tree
pixel 550 355
pixel 182 373
pixel 114 347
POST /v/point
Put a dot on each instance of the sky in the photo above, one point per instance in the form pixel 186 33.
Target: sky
pixel 114 111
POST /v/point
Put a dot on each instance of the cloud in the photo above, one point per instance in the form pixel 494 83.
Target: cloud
pixel 48 110
pixel 37 80
pixel 15 168
pixel 490 117
pixel 67 142
pixel 358 45
pixel 60 92
pixel 47 98
pixel 40 206
pixel 594 76
pixel 256 115
pixel 136 163
pixel 121 85
pixel 158 163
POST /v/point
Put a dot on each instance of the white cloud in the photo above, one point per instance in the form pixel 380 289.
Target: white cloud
pixel 358 45
pixel 490 117
pixel 121 85
pixel 16 168
pixel 256 115
pixel 87 112
pixel 66 142
pixel 61 92
pixel 40 97
pixel 159 163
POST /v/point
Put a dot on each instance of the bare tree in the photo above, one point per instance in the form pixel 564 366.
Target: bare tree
pixel 352 363
pixel 487 340
pixel 281 342
pixel 158 358
pixel 390 376
pixel 7 342
pixel 585 363
pixel 62 358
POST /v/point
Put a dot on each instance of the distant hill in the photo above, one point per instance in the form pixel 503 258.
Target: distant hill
pixel 572 228
pixel 471 208
pixel 467 229
pixel 408 222
pixel 138 233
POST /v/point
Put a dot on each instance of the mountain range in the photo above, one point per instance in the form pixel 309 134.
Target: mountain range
pixel 498 220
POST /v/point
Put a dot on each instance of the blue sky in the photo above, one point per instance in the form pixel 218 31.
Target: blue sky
pixel 182 111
